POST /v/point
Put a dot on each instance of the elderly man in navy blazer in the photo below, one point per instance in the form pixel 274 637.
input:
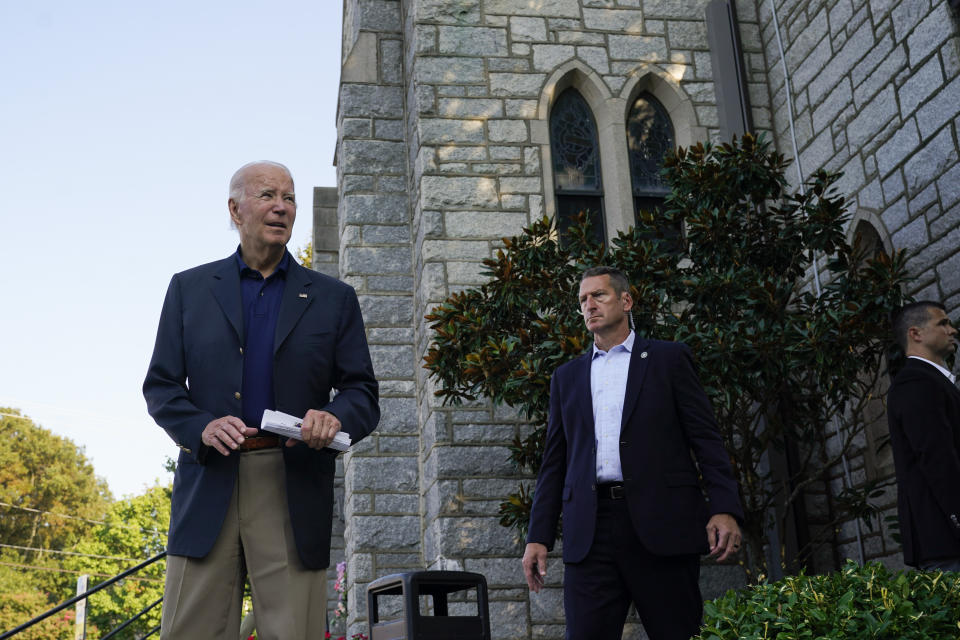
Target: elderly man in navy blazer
pixel 255 331
pixel 624 420
pixel 923 410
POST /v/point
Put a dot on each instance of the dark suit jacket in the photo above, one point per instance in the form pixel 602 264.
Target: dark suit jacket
pixel 195 375
pixel 923 410
pixel 666 415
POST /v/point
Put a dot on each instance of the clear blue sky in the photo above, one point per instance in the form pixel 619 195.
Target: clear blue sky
pixel 120 125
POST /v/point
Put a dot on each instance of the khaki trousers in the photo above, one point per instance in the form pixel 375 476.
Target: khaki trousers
pixel 202 597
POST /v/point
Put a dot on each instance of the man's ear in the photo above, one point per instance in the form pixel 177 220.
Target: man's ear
pixel 627 301
pixel 232 206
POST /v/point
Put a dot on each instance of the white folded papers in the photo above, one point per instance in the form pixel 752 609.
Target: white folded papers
pixel 286 425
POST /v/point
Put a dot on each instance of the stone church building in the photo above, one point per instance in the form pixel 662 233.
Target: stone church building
pixel 461 121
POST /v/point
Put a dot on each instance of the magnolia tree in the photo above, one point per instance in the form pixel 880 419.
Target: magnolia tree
pixel 786 364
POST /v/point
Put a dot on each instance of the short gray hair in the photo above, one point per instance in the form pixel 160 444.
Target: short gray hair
pixel 239 177
pixel 618 280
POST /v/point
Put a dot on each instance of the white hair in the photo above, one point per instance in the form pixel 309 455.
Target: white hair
pixel 237 181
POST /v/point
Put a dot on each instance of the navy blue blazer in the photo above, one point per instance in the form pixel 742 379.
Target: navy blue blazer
pixel 666 415
pixel 923 411
pixel 195 375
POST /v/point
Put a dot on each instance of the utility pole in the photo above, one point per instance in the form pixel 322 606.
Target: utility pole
pixel 80 630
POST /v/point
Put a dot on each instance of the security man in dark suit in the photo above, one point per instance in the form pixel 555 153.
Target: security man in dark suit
pixel 255 331
pixel 624 419
pixel 923 410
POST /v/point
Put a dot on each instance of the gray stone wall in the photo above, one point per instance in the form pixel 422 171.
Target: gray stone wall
pixel 443 149
pixel 875 90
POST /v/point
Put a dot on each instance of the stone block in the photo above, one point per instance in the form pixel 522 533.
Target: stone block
pixel 473 41
pixel 615 20
pixel 366 209
pixel 390 335
pixel 520 185
pixel 912 236
pixel 818 152
pixel 379 533
pixel 508 619
pixel 484 224
pixel 375 260
pixel 596 57
pixel 473 536
pixel 931 33
pixel 390 283
pixel 507 130
pixel 448 11
pixel 463 461
pixel 374 156
pixel 392 361
pixel 642 48
pixel 873 117
pixel 826 113
pixel 396 504
pixel 470 108
pixel 528 29
pixel 547 57
pixel 388 129
pixel 901 145
pixel 920 85
pixel 924 199
pixel 455 153
pixel 451 249
pixel 444 131
pixel 361 100
pixel 893 187
pixel 674 8
pixel 525 109
pixel 398 444
pixel 558 8
pixel 395 234
pixel 581 37
pixel 386 309
pixel 519 85
pixel 547 606
pixel 398 415
pixel 931 161
pixel 391 473
pixel 949 185
pixel 440 192
pixel 940 109
pixel 355 128
pixel 687 34
pixel 448 70
pixel 378 15
pixel 717 579
pixel 498 169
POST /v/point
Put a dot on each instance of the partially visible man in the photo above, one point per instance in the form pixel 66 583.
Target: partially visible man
pixel 255 331
pixel 923 410
pixel 624 419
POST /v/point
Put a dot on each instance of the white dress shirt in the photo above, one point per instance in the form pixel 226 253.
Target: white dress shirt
pixel 608 385
pixel 952 378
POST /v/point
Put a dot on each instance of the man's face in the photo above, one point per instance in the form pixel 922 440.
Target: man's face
pixel 265 214
pixel 937 335
pixel 603 310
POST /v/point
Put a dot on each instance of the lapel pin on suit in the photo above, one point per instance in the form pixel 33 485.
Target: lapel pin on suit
pixel 303 295
pixel 643 354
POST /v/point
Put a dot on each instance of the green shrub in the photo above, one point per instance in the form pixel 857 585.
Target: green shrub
pixel 856 603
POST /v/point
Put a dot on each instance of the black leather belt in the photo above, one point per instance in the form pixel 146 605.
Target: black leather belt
pixel 611 491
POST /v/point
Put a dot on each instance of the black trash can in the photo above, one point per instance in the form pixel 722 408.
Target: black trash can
pixel 440 626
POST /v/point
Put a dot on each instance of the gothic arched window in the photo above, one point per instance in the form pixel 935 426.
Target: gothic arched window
pixel 578 185
pixel 649 139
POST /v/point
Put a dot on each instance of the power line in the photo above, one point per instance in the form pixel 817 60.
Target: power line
pixel 68 553
pixel 64 515
pixel 59 570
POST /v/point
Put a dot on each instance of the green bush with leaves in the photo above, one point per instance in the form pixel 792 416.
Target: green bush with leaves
pixel 855 603
pixel 785 365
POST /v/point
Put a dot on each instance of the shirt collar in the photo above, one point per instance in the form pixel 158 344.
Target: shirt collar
pixel 281 268
pixel 952 378
pixel 626 344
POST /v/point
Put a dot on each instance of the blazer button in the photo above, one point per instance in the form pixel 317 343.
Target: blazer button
pixel 241 350
pixel 236 395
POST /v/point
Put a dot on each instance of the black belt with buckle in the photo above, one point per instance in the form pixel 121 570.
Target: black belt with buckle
pixel 611 491
pixel 256 443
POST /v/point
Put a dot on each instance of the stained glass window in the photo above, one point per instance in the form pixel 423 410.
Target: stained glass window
pixel 578 185
pixel 649 139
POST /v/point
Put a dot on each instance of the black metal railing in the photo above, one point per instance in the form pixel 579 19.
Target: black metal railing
pixel 82 596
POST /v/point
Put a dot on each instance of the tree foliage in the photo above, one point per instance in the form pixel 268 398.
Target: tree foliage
pixel 134 529
pixel 782 362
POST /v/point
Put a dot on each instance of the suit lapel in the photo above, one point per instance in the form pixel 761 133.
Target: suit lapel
pixel 583 390
pixel 226 289
pixel 297 296
pixel 638 370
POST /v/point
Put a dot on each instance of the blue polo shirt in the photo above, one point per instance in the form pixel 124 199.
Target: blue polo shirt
pixel 261 307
